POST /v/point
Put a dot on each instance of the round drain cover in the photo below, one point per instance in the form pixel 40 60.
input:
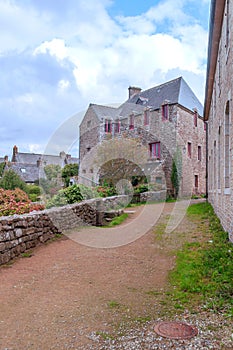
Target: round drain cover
pixel 175 330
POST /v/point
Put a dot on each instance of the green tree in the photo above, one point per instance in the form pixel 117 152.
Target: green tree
pixel 68 171
pixel 52 171
pixel 11 180
pixel 2 167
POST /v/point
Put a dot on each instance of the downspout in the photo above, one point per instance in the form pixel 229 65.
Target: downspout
pixel 207 157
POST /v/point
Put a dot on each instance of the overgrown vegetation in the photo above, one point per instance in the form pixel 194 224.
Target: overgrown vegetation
pixel 69 171
pixel 204 269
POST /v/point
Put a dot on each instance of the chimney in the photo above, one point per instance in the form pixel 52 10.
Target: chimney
pixel 133 90
pixel 15 152
pixel 6 159
pixel 62 155
pixel 39 162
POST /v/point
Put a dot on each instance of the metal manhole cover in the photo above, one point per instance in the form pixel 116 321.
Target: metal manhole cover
pixel 175 330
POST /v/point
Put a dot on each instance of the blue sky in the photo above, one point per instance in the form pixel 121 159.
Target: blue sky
pixel 58 56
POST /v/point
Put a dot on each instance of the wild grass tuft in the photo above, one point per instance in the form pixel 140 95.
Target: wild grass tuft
pixel 204 270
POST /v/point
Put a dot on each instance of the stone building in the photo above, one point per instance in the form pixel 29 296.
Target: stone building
pixel 218 111
pixel 153 129
pixel 30 166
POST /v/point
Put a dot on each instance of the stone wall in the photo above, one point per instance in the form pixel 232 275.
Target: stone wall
pixel 220 130
pixel 19 233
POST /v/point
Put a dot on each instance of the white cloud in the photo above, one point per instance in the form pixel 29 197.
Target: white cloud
pixel 64 60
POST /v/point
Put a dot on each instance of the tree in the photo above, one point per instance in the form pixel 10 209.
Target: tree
pixel 2 167
pixel 68 171
pixel 52 171
pixel 11 180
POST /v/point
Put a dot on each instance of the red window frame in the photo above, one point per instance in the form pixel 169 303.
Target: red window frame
pixel 108 126
pixel 131 122
pixel 165 111
pixel 155 150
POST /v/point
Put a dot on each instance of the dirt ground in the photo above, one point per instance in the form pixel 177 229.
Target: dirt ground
pixel 65 291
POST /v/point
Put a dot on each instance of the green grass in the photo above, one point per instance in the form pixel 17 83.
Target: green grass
pixel 204 270
pixel 118 220
pixel 28 254
pixel 113 304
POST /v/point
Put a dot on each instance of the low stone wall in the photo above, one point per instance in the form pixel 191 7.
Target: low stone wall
pixel 19 233
pixel 153 196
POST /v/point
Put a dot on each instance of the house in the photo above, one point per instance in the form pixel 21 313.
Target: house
pixel 30 166
pixel 218 112
pixel 153 129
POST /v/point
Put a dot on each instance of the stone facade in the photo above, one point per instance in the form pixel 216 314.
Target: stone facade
pixel 218 112
pixel 19 233
pixel 134 132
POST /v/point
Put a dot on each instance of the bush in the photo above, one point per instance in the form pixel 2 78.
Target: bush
pixel 58 200
pixel 16 202
pixel 106 190
pixel 33 192
pixel 141 188
pixel 11 181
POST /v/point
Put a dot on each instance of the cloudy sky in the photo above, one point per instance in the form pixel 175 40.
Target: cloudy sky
pixel 57 56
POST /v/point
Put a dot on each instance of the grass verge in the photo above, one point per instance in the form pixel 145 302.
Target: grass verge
pixel 118 220
pixel 204 269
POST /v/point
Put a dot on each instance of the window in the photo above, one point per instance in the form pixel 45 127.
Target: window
pixel 189 149
pixel 108 126
pixel 23 170
pixel 89 124
pixel 199 153
pixel 195 118
pixel 165 111
pixel 155 150
pixel 88 149
pixel 117 126
pixel 131 122
pixel 196 182
pixel 204 126
pixel 227 147
pixel 146 117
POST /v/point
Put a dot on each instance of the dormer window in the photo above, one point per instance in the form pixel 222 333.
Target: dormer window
pixel 108 126
pixel 131 122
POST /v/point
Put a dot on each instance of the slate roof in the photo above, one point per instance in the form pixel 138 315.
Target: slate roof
pixel 174 91
pixel 32 158
pixel 28 172
pixel 2 160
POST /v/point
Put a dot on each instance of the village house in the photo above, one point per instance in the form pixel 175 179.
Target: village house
pixel 30 166
pixel 218 112
pixel 153 129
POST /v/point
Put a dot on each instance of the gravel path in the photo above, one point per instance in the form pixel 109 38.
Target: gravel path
pixel 70 296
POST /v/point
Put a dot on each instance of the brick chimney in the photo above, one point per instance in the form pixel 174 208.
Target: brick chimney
pixel 15 152
pixel 6 159
pixel 39 162
pixel 133 90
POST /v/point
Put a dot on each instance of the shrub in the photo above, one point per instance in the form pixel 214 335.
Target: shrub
pixel 11 181
pixel 33 192
pixel 58 200
pixel 16 202
pixel 141 188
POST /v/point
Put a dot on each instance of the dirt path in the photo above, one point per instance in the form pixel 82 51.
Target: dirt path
pixel 66 291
